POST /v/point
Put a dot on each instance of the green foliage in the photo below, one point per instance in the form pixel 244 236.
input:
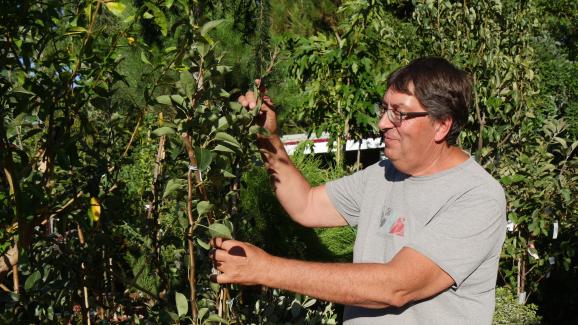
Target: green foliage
pixel 508 311
pixel 343 75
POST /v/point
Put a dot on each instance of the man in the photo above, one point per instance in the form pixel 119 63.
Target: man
pixel 430 221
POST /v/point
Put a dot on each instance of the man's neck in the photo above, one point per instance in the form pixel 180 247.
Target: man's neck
pixel 444 158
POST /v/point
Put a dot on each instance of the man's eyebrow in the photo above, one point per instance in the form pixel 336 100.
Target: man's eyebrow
pixel 396 105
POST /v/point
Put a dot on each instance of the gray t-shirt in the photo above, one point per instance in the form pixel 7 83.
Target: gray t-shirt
pixel 457 218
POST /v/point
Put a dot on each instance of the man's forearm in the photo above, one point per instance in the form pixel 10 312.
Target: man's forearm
pixel 364 285
pixel 291 188
pixel 409 276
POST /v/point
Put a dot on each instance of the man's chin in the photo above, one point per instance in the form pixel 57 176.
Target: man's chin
pixel 388 154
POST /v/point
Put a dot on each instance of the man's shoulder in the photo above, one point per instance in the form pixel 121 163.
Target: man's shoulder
pixel 481 175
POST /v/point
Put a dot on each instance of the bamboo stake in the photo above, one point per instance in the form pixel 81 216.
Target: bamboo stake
pixel 153 211
pixel 192 168
pixel 15 276
pixel 3 287
pixel 86 314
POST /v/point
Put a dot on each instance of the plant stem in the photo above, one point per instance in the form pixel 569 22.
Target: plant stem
pixel 192 275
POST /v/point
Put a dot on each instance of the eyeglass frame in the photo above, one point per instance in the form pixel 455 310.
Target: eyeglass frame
pixel 391 114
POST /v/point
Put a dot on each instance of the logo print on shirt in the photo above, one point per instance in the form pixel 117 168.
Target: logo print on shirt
pixel 398 227
pixel 389 220
pixel 385 218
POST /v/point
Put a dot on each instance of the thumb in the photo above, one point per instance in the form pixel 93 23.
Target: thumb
pixel 261 86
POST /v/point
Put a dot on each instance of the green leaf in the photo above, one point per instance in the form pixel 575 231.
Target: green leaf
pixel 227 174
pixel 183 221
pixel 222 124
pixel 224 148
pixel 21 90
pixel 207 27
pixel 567 195
pixel 144 59
pixel 178 99
pixel 236 107
pixel 75 31
pixel 159 17
pixel 561 141
pixel 173 316
pixel 204 207
pixel 164 130
pixel 215 318
pixel 164 99
pixel 188 83
pixel 50 313
pixel 227 138
pixel 204 158
pixel 202 312
pixel 147 15
pixel 88 11
pixel 116 8
pixel 204 245
pixel 172 186
pixel 220 230
pixel 169 3
pixel 14 296
pixel 31 280
pixel 223 93
pixel 182 304
pixel 256 129
pixel 309 303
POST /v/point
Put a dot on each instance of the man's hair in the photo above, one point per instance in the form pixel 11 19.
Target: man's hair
pixel 442 89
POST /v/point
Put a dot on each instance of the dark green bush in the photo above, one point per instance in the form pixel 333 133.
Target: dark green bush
pixel 508 311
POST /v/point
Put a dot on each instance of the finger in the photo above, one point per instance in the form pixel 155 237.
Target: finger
pixel 220 255
pixel 268 102
pixel 251 99
pixel 261 86
pixel 217 242
pixel 228 244
pixel 220 278
pixel 242 100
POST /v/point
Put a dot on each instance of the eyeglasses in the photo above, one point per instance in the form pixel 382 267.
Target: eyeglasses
pixel 394 116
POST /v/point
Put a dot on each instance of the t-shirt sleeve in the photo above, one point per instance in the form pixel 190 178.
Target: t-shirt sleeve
pixel 465 233
pixel 346 194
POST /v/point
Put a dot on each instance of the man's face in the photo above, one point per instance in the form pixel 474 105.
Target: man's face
pixel 409 143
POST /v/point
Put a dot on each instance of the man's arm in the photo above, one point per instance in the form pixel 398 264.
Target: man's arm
pixel 309 206
pixel 409 276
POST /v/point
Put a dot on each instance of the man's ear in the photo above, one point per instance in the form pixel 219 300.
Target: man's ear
pixel 442 129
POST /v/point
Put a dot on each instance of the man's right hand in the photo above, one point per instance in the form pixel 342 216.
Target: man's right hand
pixel 267 117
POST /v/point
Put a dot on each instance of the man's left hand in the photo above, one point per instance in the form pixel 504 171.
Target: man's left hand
pixel 238 262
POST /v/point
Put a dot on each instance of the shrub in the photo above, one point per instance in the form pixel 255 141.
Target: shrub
pixel 508 311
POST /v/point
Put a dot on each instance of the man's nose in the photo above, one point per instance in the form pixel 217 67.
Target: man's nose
pixel 384 122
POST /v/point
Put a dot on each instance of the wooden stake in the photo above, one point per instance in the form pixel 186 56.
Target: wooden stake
pixel 15 279
pixel 86 314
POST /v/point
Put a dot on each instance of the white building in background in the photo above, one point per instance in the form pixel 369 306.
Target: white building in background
pixel 321 144
pixel 365 151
